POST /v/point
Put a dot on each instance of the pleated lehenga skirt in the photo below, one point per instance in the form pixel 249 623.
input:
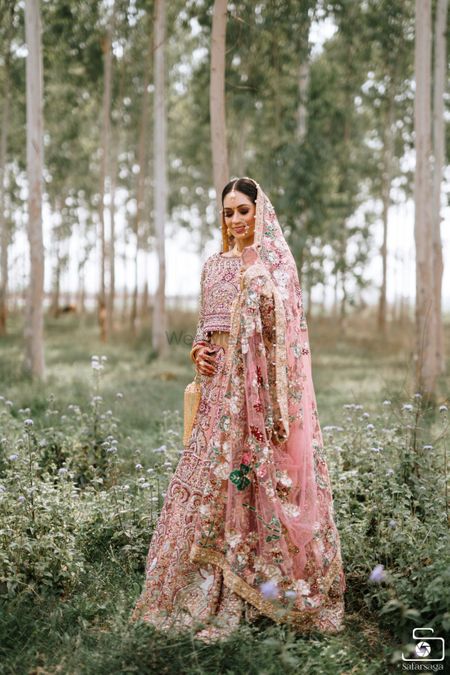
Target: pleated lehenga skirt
pixel 179 594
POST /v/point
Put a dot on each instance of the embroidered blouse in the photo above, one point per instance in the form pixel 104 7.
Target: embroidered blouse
pixel 219 287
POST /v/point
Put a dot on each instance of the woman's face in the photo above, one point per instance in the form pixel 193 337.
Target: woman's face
pixel 239 214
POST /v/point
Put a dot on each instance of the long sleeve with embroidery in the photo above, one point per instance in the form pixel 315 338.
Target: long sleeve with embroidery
pixel 201 335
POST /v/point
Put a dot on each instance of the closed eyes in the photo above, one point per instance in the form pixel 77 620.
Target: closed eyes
pixel 241 211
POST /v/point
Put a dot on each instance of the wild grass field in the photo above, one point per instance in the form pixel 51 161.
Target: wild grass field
pixel 84 461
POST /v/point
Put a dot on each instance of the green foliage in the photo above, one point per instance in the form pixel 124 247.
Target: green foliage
pixel 65 499
pixel 389 477
pixel 359 87
pixel 70 578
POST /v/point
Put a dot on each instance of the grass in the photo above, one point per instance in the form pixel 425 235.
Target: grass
pixel 89 631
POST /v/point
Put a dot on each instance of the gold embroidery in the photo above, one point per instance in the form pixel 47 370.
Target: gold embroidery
pixel 199 554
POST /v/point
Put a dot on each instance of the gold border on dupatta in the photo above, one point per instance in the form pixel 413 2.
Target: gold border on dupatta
pixel 299 619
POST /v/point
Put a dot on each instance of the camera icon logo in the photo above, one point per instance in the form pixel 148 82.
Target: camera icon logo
pixel 429 649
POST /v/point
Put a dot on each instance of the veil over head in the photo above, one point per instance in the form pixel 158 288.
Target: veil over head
pixel 266 512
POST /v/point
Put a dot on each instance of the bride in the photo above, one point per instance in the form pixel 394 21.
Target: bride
pixel 247 528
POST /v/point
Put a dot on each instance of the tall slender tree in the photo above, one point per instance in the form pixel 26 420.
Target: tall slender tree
pixel 142 161
pixel 439 80
pixel 34 322
pixel 159 343
pixel 105 169
pixel 217 98
pixel 4 132
pixel 423 227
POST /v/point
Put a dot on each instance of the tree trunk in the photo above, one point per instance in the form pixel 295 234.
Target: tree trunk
pixel 125 283
pixel 106 132
pixel 116 148
pixel 217 99
pixel 142 159
pixel 303 87
pixel 34 322
pixel 4 227
pixel 144 303
pixel 426 372
pixel 159 320
pixel 336 294
pixel 440 68
pixel 134 298
pixel 55 302
pixel 388 148
pixel 112 244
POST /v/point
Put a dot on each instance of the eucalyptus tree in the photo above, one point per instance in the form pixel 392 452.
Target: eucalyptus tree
pixel 7 29
pixel 426 371
pixel 159 319
pixel 73 64
pixel 441 32
pixel 34 323
pixel 107 49
pixel 141 222
pixel 388 99
pixel 217 106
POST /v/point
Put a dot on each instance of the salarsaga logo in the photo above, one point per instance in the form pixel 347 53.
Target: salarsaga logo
pixel 428 653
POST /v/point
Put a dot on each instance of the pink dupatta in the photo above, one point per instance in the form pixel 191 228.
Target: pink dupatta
pixel 266 514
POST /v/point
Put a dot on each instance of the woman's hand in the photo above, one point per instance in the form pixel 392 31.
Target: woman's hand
pixel 205 362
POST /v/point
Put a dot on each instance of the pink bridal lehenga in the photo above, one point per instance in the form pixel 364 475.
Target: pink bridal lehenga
pixel 247 528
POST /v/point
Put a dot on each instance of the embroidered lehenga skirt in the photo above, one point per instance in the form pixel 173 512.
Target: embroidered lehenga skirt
pixel 183 595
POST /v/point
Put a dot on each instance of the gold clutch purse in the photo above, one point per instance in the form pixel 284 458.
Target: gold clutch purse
pixel 192 396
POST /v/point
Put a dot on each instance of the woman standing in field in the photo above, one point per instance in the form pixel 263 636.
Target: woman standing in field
pixel 247 527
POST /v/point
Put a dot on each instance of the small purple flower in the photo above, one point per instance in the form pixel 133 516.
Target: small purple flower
pixel 21 499
pixel 291 595
pixel 427 447
pixel 62 471
pixel 370 427
pixel 378 574
pixel 12 458
pixel 28 423
pixel 269 590
pixel 389 472
pixel 392 524
pixel 408 407
pixel 138 467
